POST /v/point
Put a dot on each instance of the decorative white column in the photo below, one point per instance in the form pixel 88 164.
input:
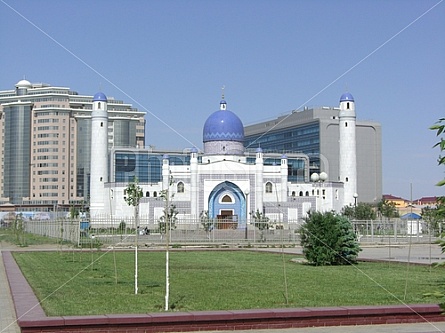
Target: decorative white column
pixel 165 172
pixel 194 184
pixel 99 154
pixel 284 172
pixel 348 150
pixel 259 186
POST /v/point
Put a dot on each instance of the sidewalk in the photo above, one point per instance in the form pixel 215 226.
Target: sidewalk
pixel 7 313
pixel 395 328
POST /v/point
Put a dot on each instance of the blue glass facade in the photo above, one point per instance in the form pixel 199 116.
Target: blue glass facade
pixel 301 139
pixel 147 167
pixel 297 139
pixel 17 151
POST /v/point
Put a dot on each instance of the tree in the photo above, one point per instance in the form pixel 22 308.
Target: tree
pixel 261 222
pixel 439 127
pixel 206 222
pixel 361 211
pixel 168 220
pixel 387 209
pixel 133 195
pixel 328 239
pixel 432 217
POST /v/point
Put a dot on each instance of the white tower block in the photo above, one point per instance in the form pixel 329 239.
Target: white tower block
pixel 99 154
pixel 348 151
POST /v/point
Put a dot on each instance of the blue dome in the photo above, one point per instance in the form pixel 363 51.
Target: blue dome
pixel 100 97
pixel 223 125
pixel 346 97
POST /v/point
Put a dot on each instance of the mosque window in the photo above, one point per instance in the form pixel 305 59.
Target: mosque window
pixel 268 187
pixel 180 187
pixel 346 124
pixel 226 199
pixel 347 105
pixel 301 193
pixel 293 193
pixel 98 105
pixel 155 194
pixel 347 179
pixel 307 193
pixel 101 124
pixel 147 194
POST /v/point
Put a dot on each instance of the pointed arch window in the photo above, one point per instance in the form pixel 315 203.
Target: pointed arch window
pixel 180 187
pixel 226 199
pixel 268 187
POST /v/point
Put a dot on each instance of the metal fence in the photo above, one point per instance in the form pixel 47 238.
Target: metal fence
pixel 118 232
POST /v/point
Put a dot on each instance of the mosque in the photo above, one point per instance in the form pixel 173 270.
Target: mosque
pixel 224 181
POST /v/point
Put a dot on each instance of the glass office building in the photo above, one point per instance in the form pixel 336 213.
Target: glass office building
pixel 315 133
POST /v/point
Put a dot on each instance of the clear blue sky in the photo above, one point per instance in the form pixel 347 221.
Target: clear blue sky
pixel 171 58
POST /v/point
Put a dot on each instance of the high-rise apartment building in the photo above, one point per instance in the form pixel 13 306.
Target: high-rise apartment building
pixel 316 133
pixel 45 142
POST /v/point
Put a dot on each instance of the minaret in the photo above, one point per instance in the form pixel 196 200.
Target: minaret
pixel 99 154
pixel 348 151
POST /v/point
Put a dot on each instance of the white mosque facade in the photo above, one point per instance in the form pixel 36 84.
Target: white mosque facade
pixel 224 181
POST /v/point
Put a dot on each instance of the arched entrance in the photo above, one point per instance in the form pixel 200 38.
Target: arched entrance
pixel 227 203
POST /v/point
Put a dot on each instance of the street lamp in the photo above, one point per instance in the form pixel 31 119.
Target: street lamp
pixel 319 178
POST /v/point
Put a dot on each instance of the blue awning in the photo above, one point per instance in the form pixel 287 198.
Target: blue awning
pixel 411 216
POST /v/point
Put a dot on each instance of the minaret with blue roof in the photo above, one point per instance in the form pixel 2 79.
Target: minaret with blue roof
pixel 99 154
pixel 348 150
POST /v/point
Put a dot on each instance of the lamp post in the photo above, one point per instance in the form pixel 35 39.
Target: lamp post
pixel 355 211
pixel 320 179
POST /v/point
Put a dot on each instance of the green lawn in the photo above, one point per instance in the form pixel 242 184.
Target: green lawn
pixel 67 283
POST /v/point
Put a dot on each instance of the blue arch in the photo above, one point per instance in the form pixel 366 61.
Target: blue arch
pixel 238 206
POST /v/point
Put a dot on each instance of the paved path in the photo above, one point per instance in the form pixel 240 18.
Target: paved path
pixel 425 253
pixel 7 312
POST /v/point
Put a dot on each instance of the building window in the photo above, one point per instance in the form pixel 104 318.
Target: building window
pixel 293 193
pixel 268 187
pixel 226 199
pixel 155 194
pixel 180 187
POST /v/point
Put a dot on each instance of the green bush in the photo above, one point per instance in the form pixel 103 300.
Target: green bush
pixel 328 239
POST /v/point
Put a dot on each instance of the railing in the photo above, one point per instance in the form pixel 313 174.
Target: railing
pixel 117 232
